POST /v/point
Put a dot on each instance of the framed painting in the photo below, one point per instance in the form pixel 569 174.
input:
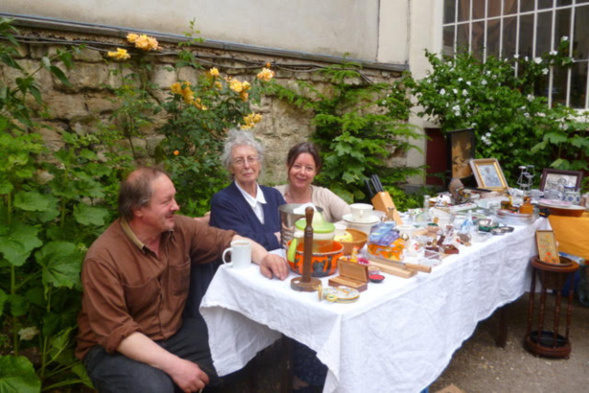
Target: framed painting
pixel 488 174
pixel 556 179
pixel 460 150
pixel 547 250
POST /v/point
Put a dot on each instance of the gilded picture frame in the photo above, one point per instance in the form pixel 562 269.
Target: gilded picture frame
pixel 488 174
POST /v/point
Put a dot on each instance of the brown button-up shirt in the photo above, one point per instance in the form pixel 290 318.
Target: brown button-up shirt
pixel 127 288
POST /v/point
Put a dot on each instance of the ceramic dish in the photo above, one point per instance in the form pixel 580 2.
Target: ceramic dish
pixel 570 210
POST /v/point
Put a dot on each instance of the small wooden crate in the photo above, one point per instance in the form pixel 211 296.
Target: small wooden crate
pixel 352 275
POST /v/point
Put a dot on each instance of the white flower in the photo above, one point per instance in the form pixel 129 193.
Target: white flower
pixel 460 79
pixel 442 92
pixel 456 110
pixel 455 91
pixel 468 83
pixel 516 56
pixel 537 60
pixel 484 82
pixel 553 52
pixel 464 92
pixel 526 115
pixel 564 38
pixel 530 97
pixel 28 333
pixel 545 71
pixel 487 134
pixel 526 58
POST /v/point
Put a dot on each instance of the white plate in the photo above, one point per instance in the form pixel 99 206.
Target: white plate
pixel 554 203
pixel 372 219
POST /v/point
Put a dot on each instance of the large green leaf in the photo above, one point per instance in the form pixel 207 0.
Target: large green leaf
pixel 32 201
pixel 17 242
pixel 61 262
pixel 17 375
pixel 89 215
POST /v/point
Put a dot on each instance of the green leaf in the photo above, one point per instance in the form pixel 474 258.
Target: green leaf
pixel 89 215
pixel 17 242
pixel 32 201
pixel 61 262
pixel 555 137
pixel 60 75
pixel 19 305
pixel 17 375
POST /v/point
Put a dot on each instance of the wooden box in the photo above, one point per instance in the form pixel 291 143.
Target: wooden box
pixel 352 275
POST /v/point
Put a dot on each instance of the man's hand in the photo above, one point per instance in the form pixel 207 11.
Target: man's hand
pixel 274 265
pixel 188 376
pixel 271 265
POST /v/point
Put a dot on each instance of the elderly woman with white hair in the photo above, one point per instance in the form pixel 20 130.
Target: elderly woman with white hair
pixel 245 206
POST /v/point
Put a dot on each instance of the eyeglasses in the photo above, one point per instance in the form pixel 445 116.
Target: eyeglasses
pixel 251 160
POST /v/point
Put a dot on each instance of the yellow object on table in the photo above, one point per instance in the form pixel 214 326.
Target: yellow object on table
pixel 572 234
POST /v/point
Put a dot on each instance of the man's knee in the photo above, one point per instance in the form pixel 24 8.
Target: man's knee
pixel 117 374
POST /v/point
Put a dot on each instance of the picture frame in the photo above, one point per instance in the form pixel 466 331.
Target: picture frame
pixel 488 174
pixel 547 250
pixel 460 150
pixel 553 179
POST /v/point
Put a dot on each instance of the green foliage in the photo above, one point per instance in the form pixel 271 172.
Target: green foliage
pixel 511 122
pixel 51 208
pixel 358 127
pixel 199 117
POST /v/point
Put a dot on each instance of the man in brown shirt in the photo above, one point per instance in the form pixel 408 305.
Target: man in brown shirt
pixel 136 275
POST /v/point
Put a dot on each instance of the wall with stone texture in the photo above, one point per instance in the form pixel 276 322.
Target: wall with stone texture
pixel 80 106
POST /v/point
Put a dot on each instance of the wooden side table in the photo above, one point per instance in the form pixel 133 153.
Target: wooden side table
pixel 541 342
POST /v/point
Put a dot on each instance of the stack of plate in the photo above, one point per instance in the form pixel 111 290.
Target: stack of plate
pixel 366 224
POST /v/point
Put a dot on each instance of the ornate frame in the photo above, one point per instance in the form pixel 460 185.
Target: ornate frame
pixel 488 174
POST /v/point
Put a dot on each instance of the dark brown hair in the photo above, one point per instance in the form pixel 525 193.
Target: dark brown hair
pixel 300 148
pixel 136 191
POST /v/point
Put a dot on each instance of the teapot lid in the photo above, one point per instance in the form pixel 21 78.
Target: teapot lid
pixel 320 225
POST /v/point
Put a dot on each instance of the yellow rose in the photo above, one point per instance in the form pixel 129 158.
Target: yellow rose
pixel 120 54
pixel 243 95
pixel 245 86
pixel 266 74
pixel 146 43
pixel 236 85
pixel 132 37
pixel 214 72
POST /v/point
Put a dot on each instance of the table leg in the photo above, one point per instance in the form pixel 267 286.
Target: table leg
pixel 501 339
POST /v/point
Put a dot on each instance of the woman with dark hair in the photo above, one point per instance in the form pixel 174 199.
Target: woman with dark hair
pixel 245 206
pixel 303 164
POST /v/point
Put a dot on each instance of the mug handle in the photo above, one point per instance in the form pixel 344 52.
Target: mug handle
pixel 225 253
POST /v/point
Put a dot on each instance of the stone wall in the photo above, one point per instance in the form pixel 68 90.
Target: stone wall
pixel 81 106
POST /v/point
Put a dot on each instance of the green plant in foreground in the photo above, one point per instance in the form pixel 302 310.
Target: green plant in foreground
pixel 50 211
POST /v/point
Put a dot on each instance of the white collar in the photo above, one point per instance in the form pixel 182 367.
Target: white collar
pixel 259 198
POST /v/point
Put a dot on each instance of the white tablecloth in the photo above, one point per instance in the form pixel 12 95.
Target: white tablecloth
pixel 398 337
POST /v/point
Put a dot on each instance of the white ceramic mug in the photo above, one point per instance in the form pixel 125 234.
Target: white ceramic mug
pixel 241 254
pixel 361 212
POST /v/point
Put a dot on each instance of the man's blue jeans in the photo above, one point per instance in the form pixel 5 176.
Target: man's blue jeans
pixel 112 373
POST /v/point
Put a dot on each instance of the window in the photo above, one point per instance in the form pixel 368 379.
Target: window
pixel 508 28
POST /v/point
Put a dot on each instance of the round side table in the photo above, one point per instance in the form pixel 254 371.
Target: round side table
pixel 539 341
